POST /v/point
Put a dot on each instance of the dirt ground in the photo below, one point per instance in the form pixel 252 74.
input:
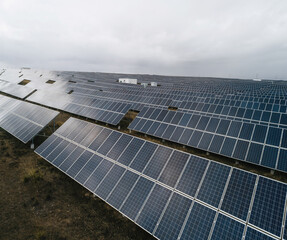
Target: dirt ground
pixel 37 201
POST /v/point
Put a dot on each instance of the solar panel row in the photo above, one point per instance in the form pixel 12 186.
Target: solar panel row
pixel 138 101
pixel 258 144
pixel 15 89
pixel 262 116
pixel 169 193
pixel 23 120
pixel 106 111
pixel 181 100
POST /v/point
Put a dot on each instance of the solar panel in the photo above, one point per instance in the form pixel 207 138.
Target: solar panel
pixel 252 234
pixel 268 205
pixel 199 222
pixel 169 193
pixel 23 120
pixel 103 110
pixel 226 226
pixel 15 89
pixel 230 138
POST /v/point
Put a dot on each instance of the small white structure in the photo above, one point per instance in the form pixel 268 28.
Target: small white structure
pixel 144 85
pixel 153 84
pixel 257 79
pixel 128 80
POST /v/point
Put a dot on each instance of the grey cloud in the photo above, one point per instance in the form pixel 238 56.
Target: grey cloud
pixel 188 37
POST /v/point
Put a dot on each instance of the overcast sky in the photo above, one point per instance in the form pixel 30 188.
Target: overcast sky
pixel 245 38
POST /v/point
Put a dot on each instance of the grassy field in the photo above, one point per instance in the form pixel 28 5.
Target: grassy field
pixel 39 202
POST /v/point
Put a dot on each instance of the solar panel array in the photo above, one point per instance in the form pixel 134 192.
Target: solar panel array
pixel 102 110
pixel 267 114
pixel 23 120
pixel 254 143
pixel 15 89
pixel 137 100
pixel 169 193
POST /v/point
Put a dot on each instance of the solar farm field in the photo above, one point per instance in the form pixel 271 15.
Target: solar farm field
pixel 166 158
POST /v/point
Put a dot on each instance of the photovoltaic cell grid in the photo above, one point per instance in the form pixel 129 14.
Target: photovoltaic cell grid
pixel 102 110
pixel 15 89
pixel 23 120
pixel 237 108
pixel 137 100
pixel 254 143
pixel 169 193
pixel 274 115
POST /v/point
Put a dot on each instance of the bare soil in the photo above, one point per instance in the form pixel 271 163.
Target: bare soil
pixel 37 201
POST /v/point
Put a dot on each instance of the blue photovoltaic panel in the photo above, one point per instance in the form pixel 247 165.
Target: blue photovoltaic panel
pixel 213 184
pixel 91 136
pixel 212 125
pixel 227 228
pixel 246 131
pixel 143 156
pixel 173 218
pixel 97 176
pixel 109 143
pixel 192 175
pixel 64 154
pixel 137 197
pixel 118 195
pixel 234 129
pixel 184 139
pixel 161 129
pixel 259 134
pixel 64 166
pixel 44 145
pixel 88 169
pixel 195 138
pixel 254 153
pixel 216 144
pixel 176 134
pixel 223 127
pixel 153 208
pixel 239 193
pixel 269 157
pixel 153 128
pixel 22 119
pixel 109 181
pixel 284 139
pixel 185 119
pixel 205 141
pixel 199 223
pixel 168 132
pixel 117 149
pixel 173 168
pixel 58 149
pixel 81 161
pixel 240 149
pixel 157 162
pixel 274 136
pixel 228 146
pixel 193 121
pixel 282 163
pixel 50 147
pixel 77 130
pixel 252 234
pixel 83 134
pixel 131 151
pixel 268 206
pixel 98 141
pixel 202 123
